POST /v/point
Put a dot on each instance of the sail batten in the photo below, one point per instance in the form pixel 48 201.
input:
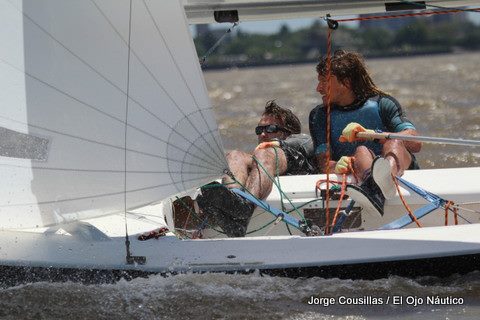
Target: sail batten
pixel 65 67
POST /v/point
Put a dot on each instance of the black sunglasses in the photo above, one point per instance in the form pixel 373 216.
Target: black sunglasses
pixel 271 128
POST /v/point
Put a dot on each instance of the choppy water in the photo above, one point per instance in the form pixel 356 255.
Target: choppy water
pixel 440 94
pixel 219 296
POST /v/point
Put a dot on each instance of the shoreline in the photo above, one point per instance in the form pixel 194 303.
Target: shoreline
pixel 260 64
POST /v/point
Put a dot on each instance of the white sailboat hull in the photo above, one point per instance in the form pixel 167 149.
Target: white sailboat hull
pixel 104 109
pixel 172 255
pixel 99 244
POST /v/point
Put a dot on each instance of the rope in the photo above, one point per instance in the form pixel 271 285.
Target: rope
pixel 449 206
pixel 343 189
pixel 186 221
pixel 410 213
pixel 277 174
pixel 303 205
pixel 458 206
pixel 202 221
pixel 262 227
pixel 339 205
pixel 455 215
pixel 462 217
pixel 328 128
pixel 343 184
pixel 273 181
pixel 277 185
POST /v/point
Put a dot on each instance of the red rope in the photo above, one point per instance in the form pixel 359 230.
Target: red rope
pixel 455 212
pixel 342 195
pixel 410 213
pixel 447 208
pixel 327 166
pixel 403 15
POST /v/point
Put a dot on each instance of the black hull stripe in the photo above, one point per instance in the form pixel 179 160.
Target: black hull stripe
pixel 439 267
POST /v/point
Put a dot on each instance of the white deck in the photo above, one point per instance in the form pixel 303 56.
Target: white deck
pixel 459 185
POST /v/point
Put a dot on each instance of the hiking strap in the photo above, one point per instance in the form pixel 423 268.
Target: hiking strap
pixel 287 218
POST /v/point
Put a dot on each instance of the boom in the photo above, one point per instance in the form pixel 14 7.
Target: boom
pixel 202 11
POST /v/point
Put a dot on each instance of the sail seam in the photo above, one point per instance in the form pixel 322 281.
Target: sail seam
pixel 105 78
pixel 99 195
pixel 106 170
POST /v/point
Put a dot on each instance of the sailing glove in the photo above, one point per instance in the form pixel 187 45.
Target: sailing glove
pixel 343 165
pixel 349 134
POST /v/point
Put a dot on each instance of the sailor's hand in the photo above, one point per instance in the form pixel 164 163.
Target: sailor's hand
pixel 343 165
pixel 349 134
pixel 268 144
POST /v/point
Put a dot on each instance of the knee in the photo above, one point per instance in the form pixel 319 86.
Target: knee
pixel 398 148
pixel 362 152
pixel 271 160
pixel 393 144
pixel 234 155
pixel 264 155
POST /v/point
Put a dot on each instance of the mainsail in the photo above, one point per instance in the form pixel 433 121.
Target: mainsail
pixel 103 107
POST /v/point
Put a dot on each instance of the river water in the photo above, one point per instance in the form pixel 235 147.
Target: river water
pixel 440 94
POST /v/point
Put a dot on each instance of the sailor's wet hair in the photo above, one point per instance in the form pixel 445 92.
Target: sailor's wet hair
pixel 289 120
pixel 350 68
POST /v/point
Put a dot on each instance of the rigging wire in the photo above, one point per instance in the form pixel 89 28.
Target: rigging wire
pixel 282 193
pixel 203 59
pixel 127 240
pixel 129 258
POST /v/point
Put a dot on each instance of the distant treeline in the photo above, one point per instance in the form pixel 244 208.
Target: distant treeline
pixel 286 46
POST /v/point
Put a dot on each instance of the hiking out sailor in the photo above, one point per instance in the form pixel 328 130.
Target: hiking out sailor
pixel 282 150
pixel 357 105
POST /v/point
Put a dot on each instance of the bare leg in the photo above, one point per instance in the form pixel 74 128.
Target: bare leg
pixel 363 161
pixel 258 183
pixel 371 196
pixel 398 156
pixel 240 164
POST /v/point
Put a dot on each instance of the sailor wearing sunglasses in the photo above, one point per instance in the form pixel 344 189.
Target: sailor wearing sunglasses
pixel 282 149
